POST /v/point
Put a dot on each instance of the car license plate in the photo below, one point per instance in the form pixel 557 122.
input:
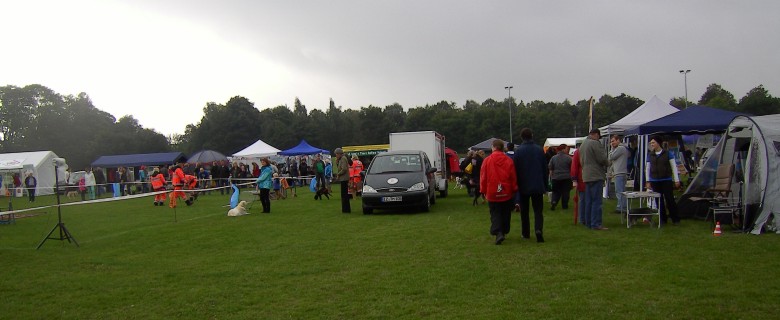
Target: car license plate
pixel 391 199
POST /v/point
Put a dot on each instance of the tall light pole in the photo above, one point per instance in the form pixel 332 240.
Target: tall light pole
pixel 509 102
pixel 685 75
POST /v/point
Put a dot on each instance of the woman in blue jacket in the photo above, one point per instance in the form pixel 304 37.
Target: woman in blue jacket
pixel 264 184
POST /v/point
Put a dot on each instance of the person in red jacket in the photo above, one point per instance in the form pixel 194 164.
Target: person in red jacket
pixel 498 183
pixel 158 184
pixel 576 180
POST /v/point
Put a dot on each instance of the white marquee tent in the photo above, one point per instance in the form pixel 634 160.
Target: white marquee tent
pixel 37 162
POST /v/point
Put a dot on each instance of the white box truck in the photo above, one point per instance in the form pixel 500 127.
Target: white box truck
pixel 430 142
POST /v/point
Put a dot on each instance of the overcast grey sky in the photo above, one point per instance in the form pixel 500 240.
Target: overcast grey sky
pixel 162 61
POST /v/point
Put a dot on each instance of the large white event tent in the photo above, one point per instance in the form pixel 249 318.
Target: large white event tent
pixel 37 162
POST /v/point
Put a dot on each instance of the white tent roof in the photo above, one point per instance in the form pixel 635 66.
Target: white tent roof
pixel 256 150
pixel 554 142
pixel 649 111
pixel 39 162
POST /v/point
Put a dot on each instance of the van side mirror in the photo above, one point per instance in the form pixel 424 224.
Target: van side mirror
pixel 432 170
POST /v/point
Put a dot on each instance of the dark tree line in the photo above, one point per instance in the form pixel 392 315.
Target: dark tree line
pixel 230 127
pixel 35 118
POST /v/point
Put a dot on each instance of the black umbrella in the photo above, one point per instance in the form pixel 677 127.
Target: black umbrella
pixel 208 156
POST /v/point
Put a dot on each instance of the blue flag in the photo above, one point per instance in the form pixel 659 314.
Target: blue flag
pixel 234 197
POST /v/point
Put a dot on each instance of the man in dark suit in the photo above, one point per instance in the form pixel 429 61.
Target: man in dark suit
pixel 531 170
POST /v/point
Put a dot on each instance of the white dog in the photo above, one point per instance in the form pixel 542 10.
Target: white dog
pixel 459 183
pixel 239 210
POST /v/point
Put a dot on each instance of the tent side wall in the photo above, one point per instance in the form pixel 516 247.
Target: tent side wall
pixel 767 139
pixel 44 173
pixel 43 170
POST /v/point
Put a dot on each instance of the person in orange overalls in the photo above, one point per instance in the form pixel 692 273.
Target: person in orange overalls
pixel 355 186
pixel 190 183
pixel 177 179
pixel 158 184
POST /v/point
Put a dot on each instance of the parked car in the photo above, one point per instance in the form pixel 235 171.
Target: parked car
pixel 399 179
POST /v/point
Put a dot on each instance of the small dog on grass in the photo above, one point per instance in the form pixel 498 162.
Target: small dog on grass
pixel 72 194
pixel 459 183
pixel 239 210
pixel 322 192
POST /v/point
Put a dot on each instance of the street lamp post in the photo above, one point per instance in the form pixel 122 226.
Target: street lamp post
pixel 685 75
pixel 509 102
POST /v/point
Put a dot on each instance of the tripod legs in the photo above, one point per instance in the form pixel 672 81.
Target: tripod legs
pixel 64 235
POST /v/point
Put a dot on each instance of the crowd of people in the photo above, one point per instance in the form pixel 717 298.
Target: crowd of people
pixel 516 179
pixel 186 181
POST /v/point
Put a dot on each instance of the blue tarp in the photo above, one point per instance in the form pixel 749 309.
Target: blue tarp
pixel 694 119
pixel 135 160
pixel 303 148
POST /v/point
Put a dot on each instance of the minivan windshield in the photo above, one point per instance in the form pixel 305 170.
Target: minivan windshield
pixel 396 163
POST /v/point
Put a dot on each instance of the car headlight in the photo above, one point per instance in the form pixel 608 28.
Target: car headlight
pixel 417 187
pixel 368 189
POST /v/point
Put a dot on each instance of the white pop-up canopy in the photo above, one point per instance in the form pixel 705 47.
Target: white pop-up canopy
pixel 649 111
pixel 256 150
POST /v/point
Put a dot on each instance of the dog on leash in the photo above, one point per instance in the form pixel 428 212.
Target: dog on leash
pixel 322 192
pixel 72 194
pixel 239 210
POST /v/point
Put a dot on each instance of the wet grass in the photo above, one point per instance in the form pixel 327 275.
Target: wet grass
pixel 307 260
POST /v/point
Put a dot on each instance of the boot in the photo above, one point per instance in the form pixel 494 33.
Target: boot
pixel 500 237
pixel 539 237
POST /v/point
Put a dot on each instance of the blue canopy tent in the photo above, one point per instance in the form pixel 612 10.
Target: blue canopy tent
pixel 303 148
pixel 135 160
pixel 694 119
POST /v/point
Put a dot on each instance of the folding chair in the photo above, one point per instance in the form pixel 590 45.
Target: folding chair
pixel 720 197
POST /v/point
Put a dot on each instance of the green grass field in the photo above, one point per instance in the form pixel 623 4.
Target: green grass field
pixel 307 260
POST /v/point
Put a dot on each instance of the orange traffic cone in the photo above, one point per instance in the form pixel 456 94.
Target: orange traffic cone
pixel 717 231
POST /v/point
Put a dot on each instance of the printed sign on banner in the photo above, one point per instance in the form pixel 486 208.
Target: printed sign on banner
pixel 11 164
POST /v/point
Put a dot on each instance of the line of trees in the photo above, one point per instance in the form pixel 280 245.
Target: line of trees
pixel 36 118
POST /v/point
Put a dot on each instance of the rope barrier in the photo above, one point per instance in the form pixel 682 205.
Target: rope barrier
pixel 71 186
pixel 120 198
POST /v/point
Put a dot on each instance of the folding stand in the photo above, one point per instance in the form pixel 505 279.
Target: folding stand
pixel 64 233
